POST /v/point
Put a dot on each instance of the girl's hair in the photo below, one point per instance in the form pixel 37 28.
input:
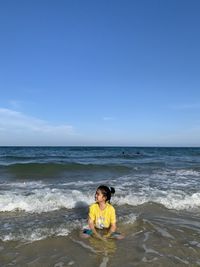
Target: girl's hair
pixel 106 191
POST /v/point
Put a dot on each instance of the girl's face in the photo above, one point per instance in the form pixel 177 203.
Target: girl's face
pixel 99 197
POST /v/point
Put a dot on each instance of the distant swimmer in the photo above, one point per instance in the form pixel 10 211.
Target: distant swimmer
pixel 131 155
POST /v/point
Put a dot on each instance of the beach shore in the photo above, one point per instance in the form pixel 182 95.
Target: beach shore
pixel 45 194
pixel 157 237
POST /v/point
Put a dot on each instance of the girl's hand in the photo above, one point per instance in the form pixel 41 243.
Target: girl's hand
pixel 107 235
pixel 100 237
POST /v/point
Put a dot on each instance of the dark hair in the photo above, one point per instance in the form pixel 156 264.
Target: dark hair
pixel 106 191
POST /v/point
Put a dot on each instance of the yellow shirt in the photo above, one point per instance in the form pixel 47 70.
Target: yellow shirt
pixel 102 218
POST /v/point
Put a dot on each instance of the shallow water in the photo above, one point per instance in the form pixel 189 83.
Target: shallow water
pixel 157 237
pixel 45 194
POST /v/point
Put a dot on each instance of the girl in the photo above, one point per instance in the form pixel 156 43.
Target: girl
pixel 102 215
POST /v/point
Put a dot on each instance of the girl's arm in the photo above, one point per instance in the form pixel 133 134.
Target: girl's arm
pixel 113 226
pixel 112 229
pixel 92 227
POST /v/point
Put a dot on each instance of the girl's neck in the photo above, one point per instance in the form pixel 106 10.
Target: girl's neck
pixel 102 205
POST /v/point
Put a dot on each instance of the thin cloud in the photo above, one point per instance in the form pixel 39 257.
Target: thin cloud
pixel 15 104
pixel 16 126
pixel 186 106
pixel 108 118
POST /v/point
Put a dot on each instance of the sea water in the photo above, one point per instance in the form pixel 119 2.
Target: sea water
pixel 45 193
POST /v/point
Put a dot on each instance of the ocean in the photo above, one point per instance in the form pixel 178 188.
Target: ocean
pixel 45 193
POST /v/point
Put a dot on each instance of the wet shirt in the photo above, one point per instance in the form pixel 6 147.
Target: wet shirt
pixel 102 218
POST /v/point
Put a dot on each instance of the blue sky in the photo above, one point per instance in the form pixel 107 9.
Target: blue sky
pixel 103 72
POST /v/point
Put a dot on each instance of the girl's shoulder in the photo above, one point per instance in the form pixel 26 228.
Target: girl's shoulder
pixel 94 206
pixel 110 206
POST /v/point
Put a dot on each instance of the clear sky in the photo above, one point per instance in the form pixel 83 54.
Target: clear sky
pixel 100 72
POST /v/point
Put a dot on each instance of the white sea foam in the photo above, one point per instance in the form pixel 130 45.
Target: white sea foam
pixel 180 173
pixel 35 235
pixel 130 199
pixel 180 201
pixel 79 183
pixel 151 251
pixel 195 243
pixel 84 245
pixel 24 184
pixel 128 219
pixel 43 200
pixel 163 232
pixel 174 199
pixel 187 173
